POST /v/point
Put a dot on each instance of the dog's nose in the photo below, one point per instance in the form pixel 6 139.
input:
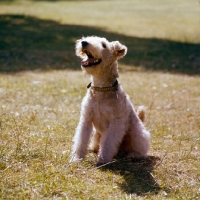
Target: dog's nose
pixel 84 43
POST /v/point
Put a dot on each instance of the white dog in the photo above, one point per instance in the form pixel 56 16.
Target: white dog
pixel 106 110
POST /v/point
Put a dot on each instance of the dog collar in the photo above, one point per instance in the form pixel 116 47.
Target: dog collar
pixel 114 87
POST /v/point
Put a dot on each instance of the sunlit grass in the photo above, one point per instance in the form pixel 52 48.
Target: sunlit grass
pixel 39 113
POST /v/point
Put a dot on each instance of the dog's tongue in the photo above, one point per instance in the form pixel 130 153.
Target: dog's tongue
pixel 87 62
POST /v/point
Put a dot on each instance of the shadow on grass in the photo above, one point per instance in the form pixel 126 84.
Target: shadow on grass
pixel 137 175
pixel 29 43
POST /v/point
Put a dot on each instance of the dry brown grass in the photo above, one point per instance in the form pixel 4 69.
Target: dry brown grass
pixel 39 113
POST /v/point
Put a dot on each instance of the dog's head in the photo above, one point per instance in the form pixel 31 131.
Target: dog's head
pixel 97 52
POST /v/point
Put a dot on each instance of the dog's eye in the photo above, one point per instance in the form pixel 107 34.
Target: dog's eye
pixel 103 45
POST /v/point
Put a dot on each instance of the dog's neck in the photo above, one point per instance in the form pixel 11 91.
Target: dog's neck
pixel 106 77
pixel 96 82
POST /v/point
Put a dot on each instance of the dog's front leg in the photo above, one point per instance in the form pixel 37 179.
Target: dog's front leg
pixel 110 142
pixel 81 139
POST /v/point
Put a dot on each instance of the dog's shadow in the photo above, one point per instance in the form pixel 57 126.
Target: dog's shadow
pixel 137 175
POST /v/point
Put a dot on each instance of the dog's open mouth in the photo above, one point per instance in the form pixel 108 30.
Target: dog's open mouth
pixel 90 61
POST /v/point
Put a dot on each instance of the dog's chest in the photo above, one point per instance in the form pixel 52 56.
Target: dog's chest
pixel 105 109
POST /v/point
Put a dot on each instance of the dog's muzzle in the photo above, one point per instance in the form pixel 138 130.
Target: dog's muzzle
pixel 91 61
pixel 84 43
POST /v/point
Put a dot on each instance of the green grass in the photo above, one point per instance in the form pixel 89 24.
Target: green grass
pixel 41 92
pixel 39 113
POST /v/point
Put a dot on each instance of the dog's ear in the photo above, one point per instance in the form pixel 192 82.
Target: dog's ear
pixel 119 49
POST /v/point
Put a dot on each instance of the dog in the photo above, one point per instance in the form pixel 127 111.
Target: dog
pixel 107 113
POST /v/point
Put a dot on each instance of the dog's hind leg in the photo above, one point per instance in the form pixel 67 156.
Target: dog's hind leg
pixel 140 141
pixel 94 144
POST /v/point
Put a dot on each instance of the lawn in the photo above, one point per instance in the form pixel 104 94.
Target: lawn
pixel 41 87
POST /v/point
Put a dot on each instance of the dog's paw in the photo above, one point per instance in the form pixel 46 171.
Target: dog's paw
pixel 103 161
pixel 75 158
pixel 99 164
pixel 92 150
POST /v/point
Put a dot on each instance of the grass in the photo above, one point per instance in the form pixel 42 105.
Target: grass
pixel 39 112
pixel 41 94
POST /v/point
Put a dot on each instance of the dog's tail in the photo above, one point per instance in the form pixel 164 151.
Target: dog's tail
pixel 141 112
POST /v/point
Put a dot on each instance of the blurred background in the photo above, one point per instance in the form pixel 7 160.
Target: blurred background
pixel 41 34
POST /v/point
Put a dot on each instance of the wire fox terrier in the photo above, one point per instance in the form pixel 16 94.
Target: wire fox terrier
pixel 107 112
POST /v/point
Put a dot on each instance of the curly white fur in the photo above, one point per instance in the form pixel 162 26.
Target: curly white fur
pixel 113 123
